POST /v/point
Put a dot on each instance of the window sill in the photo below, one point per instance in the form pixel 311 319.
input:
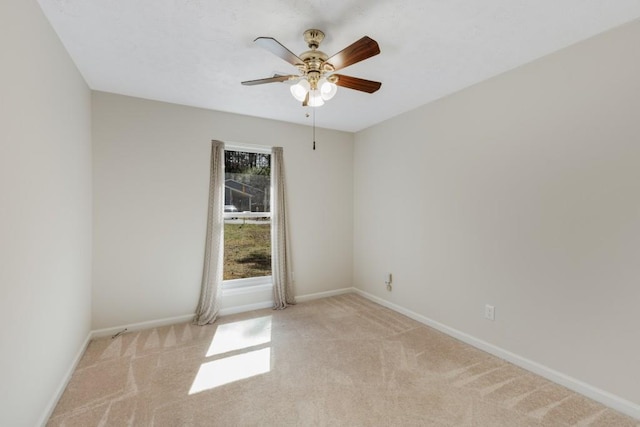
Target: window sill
pixel 246 286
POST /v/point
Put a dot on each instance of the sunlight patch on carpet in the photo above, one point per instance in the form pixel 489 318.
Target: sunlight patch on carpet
pixel 241 334
pixel 244 335
pixel 229 369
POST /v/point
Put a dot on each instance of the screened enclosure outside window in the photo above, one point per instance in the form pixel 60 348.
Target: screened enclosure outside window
pixel 247 216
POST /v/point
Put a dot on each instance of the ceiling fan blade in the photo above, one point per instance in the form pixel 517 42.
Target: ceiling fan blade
pixel 275 47
pixel 274 79
pixel 359 51
pixel 356 83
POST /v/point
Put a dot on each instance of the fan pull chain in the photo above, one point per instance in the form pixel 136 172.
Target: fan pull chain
pixel 314 129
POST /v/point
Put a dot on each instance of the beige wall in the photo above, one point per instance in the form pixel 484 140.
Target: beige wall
pixel 151 175
pixel 522 192
pixel 45 214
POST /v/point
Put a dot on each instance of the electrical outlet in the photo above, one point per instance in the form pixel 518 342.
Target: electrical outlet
pixel 489 312
pixel 388 281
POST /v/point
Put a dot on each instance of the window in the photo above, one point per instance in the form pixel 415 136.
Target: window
pixel 247 216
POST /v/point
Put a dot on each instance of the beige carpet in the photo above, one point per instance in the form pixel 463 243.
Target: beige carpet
pixel 340 361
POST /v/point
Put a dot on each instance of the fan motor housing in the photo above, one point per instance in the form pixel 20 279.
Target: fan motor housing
pixel 313 59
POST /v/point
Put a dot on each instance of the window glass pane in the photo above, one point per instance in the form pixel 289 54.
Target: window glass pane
pixel 247 224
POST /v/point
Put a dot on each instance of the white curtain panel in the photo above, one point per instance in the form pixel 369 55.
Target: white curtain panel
pixel 209 303
pixel 280 248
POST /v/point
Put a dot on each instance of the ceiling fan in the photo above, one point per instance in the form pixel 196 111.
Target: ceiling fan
pixel 317 81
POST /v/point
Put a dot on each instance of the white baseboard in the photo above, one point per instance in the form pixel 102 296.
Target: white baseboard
pixel 599 395
pixel 310 297
pixel 63 384
pixel 141 325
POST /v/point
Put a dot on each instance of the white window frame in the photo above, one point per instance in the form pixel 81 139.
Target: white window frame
pixel 249 284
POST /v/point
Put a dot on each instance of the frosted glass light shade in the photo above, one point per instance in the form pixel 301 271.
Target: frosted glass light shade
pixel 300 89
pixel 315 99
pixel 327 89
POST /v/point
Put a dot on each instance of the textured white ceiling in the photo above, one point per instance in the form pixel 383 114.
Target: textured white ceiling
pixel 196 52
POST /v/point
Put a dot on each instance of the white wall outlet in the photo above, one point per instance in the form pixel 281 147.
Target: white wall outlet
pixel 489 312
pixel 388 279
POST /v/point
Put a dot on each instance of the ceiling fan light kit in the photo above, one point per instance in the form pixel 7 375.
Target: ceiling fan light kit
pixel 315 99
pixel 317 81
pixel 300 90
pixel 328 89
